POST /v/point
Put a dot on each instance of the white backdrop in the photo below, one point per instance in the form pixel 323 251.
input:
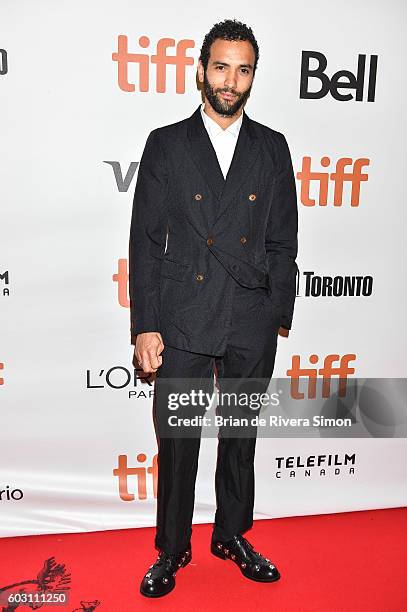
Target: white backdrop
pixel 64 235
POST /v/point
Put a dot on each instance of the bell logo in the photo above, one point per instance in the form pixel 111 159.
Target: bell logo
pixel 343 79
pixel 180 60
pixel 355 177
pixel 327 371
pixel 123 472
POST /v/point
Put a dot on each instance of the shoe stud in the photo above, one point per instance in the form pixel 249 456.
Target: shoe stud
pixel 150 581
pixel 257 568
pixel 243 565
pixel 219 546
pixel 233 557
pixel 165 580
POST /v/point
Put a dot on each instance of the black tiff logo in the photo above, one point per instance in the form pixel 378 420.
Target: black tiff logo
pixel 337 286
pixel 343 79
pixel 4 277
pixel 3 62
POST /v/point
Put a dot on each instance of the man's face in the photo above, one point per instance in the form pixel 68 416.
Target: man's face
pixel 229 75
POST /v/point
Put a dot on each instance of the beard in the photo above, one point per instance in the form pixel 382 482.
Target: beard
pixel 227 108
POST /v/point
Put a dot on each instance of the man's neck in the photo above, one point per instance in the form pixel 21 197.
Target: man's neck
pixel 222 120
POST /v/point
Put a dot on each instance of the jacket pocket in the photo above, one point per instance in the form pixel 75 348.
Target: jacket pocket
pixel 174 269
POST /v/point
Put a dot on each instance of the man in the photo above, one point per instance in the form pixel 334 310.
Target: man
pixel 213 243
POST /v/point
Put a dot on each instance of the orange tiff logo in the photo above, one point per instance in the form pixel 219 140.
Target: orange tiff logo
pixel 338 178
pixel 123 471
pixel 1 368
pixel 161 60
pixel 122 280
pixel 327 372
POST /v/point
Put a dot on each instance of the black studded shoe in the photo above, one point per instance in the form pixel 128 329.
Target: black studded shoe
pixel 250 562
pixel 160 577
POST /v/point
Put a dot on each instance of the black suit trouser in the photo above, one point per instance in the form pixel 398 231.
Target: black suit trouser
pixel 250 353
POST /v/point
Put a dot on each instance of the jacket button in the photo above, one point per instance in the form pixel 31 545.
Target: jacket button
pixel 199 277
pixel 252 197
pixel 209 242
pixel 198 196
pixel 243 239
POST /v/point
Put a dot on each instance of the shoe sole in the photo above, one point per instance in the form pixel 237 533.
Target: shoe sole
pixel 152 595
pixel 222 556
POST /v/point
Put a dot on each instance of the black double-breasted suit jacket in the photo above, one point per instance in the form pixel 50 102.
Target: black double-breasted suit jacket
pixel 194 234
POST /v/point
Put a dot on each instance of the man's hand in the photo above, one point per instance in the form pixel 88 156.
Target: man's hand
pixel 283 331
pixel 148 349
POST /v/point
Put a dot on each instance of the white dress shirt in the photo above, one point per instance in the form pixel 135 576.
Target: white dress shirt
pixel 223 141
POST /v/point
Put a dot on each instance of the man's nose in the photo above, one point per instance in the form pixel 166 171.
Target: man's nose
pixel 231 80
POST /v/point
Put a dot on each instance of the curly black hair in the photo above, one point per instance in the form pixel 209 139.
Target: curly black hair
pixel 230 29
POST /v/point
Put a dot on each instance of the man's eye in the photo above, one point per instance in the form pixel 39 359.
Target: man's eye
pixel 219 67
pixel 245 70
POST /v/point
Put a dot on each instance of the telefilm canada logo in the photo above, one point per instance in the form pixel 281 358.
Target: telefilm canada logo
pixel 137 383
pixel 161 60
pixel 339 464
pixel 310 284
pixel 315 83
pixel 4 283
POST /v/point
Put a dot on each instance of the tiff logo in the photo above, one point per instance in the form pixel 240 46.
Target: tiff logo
pixel 343 79
pixel 327 372
pixel 122 280
pixel 355 177
pixel 161 60
pixel 1 368
pixel 123 472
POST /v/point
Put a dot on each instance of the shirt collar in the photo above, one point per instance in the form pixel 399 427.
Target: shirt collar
pixel 214 128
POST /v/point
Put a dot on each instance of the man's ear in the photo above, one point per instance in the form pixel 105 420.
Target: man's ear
pixel 201 72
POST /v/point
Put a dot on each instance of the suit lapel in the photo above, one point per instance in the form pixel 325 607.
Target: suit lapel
pixel 246 152
pixel 204 156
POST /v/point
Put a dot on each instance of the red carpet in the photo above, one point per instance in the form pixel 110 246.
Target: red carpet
pixel 346 562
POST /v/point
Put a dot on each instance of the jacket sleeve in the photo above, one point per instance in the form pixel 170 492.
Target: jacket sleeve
pixel 148 232
pixel 281 237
